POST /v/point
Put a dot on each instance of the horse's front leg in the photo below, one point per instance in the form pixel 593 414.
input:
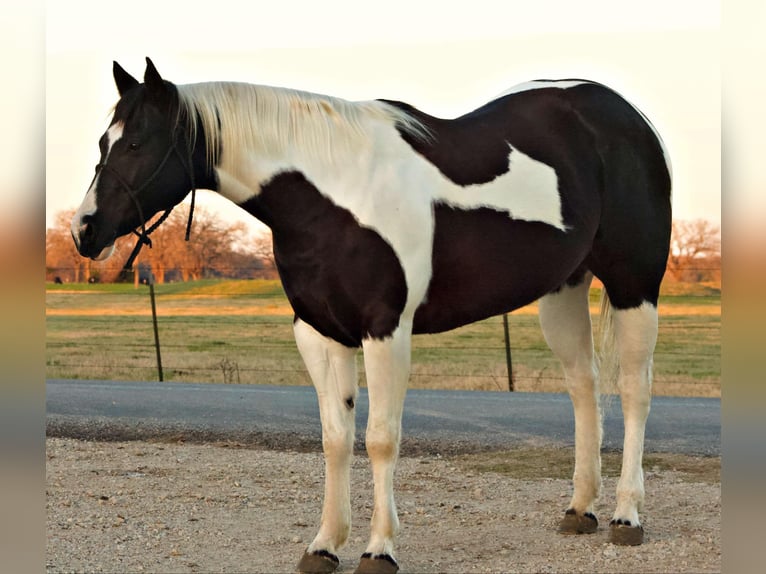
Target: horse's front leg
pixel 387 366
pixel 332 368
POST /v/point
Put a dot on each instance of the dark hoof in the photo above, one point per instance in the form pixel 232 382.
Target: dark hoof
pixel 381 564
pixel 625 534
pixel 574 523
pixel 321 562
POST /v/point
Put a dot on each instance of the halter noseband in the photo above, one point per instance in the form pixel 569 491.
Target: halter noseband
pixel 143 235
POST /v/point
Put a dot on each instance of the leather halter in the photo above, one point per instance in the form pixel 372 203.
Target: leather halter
pixel 143 235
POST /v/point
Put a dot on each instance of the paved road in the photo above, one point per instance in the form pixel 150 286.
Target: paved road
pixel 287 417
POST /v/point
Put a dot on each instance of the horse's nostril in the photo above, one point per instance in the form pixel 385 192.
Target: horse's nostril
pixel 86 230
pixel 83 234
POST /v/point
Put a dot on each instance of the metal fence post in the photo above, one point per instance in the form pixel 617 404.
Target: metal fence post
pixel 156 331
pixel 508 362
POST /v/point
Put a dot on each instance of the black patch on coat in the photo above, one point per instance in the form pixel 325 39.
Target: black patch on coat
pixel 341 278
pixel 485 263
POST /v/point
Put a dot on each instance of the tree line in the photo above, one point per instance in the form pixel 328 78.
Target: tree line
pixel 215 250
pixel 219 250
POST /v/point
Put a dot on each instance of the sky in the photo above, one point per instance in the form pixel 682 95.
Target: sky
pixel 445 58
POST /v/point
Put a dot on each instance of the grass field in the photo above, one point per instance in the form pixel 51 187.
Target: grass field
pixel 241 331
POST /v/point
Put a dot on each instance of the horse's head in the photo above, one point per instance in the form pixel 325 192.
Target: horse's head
pixel 146 164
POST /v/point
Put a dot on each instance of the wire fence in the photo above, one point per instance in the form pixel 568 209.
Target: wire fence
pixel 250 341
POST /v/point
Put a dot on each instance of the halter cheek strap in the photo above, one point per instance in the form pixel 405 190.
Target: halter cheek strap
pixel 143 235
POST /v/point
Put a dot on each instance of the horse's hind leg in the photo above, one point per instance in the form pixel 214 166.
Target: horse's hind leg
pixel 566 324
pixel 333 371
pixel 635 332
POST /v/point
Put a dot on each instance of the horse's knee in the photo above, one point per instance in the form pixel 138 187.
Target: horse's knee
pixel 582 385
pixel 636 397
pixel 382 442
pixel 337 443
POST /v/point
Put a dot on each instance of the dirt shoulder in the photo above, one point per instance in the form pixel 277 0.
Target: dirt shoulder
pixel 170 507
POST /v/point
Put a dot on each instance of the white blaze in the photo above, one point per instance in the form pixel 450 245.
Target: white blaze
pixel 88 206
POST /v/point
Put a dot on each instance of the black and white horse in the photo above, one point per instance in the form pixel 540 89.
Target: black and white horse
pixel 388 222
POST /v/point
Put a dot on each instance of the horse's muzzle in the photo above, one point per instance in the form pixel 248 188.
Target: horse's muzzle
pixel 87 242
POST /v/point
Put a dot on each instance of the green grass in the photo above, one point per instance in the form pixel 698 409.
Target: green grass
pixel 260 289
pixel 123 288
pixel 242 331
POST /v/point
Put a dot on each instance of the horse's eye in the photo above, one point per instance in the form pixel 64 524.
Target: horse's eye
pixel 133 146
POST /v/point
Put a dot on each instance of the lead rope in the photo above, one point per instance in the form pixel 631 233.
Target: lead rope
pixel 143 237
pixel 193 190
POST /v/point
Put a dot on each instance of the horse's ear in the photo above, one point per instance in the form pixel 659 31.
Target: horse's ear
pixel 123 80
pixel 155 85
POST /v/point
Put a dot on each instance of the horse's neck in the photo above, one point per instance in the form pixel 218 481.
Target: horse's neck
pixel 331 159
pixel 243 172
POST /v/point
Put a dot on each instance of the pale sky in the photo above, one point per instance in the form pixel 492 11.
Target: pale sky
pixel 445 58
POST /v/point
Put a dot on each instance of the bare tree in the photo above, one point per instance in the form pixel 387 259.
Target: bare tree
pixel 207 253
pixel 695 250
pixel 61 257
pixel 263 247
pixel 209 246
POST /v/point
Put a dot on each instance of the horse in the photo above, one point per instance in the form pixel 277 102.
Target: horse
pixel 388 222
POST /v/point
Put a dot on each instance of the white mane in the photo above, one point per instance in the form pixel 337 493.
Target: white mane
pixel 275 121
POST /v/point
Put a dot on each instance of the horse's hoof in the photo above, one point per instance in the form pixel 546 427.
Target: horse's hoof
pixel 574 523
pixel 380 564
pixel 625 534
pixel 321 562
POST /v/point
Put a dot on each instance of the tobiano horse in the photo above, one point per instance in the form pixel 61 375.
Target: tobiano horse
pixel 388 222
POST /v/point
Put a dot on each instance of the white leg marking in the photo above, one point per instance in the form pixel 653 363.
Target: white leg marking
pixel 387 365
pixel 333 371
pixel 636 336
pixel 566 324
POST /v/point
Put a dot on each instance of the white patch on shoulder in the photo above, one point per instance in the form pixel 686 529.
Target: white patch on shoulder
pixel 527 191
pixel 540 84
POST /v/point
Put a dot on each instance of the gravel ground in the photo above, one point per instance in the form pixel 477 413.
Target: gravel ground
pixel 168 507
